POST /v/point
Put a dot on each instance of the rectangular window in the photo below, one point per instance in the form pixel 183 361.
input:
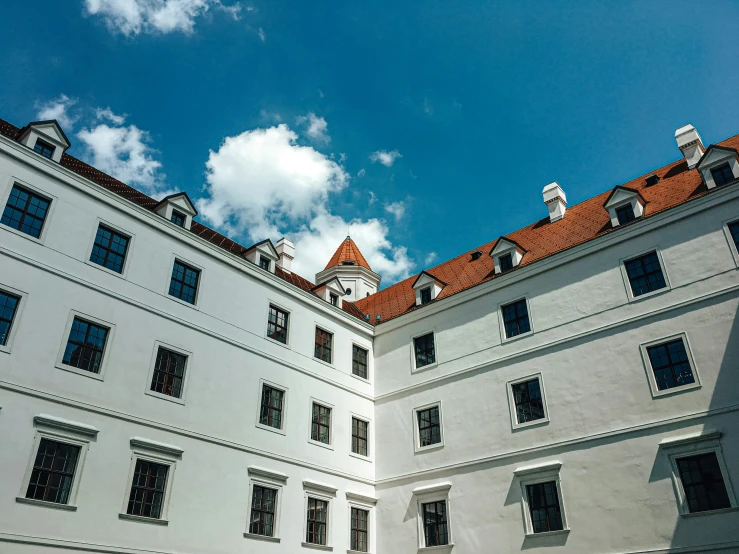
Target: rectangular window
pixel 424 349
pixel 360 432
pixel 544 507
pixel 528 400
pixel 178 218
pixel 85 345
pixel 44 148
pixel 334 299
pixel 271 411
pixel 317 521
pixel 169 373
pixel 324 343
pixel 321 424
pixel 8 309
pixel 703 483
pixel 435 530
pixel 53 472
pixel 147 489
pixel 670 364
pixel 506 262
pixel 429 426
pixel 359 530
pixel 625 214
pixel 184 283
pixel 264 262
pixel 425 295
pixel 109 249
pixel 722 174
pixel 25 211
pixel 359 361
pixel 645 274
pixel 516 318
pixel 734 230
pixel 277 324
pixel 262 521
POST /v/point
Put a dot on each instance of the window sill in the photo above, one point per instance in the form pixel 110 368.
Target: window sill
pixel 141 519
pixel 5 348
pixel 183 302
pixel 357 552
pixel 78 371
pixel 548 533
pixel 108 271
pixel 317 546
pixel 534 423
pixel 321 444
pixel 328 364
pixel 44 504
pixel 360 457
pixel 261 537
pixel 517 337
pixel 279 343
pixel 363 379
pixel 646 295
pixel 442 548
pixel 270 428
pixel 676 390
pixel 711 512
pixel 24 235
pixel 416 369
pixel 421 449
pixel 166 397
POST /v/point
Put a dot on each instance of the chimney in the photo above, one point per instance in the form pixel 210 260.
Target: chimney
pixel 286 252
pixel 556 201
pixel 690 144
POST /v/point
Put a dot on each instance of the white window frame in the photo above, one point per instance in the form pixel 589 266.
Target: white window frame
pixel 159 453
pixel 327 493
pixel 370 437
pixel 424 495
pixel 185 380
pixel 23 296
pixel 53 201
pixel 501 321
pixel 414 368
pixel 323 327
pixel 272 480
pixel 370 362
pixel 656 393
pixel 131 238
pixel 416 432
pixel 625 276
pixel 330 444
pixel 106 350
pixel 285 390
pixel 366 503
pixel 63 431
pixel 512 402
pixel 730 240
pixel 281 307
pixel 201 274
pixel 533 475
pixel 692 444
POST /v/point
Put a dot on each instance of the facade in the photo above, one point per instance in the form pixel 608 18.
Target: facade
pixel 568 387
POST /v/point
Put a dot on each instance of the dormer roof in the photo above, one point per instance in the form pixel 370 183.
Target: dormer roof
pixel 621 194
pixel 48 127
pixel 334 284
pixel 715 153
pixel 503 244
pixel 425 278
pixel 264 246
pixel 348 254
pixel 181 200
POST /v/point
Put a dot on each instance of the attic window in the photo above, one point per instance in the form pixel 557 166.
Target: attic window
pixel 334 299
pixel 506 262
pixel 178 218
pixel 425 295
pixel 721 174
pixel 264 262
pixel 652 180
pixel 347 262
pixel 625 214
pixel 44 148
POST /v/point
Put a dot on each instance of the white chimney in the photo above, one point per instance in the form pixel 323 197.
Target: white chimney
pixel 286 252
pixel 556 201
pixel 690 144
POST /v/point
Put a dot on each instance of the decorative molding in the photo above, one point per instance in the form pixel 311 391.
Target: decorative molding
pixel 700 436
pixel 161 447
pixel 361 498
pixel 255 471
pixel 139 519
pixel 538 468
pixel 429 489
pixel 43 504
pixel 45 420
pixel 319 487
pixel 75 545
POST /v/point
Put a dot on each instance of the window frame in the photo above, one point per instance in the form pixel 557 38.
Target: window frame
pixel 417 432
pixel 414 367
pixel 426 291
pixel 52 199
pixel 179 214
pixel 534 475
pixel 44 144
pixel 332 421
pixel 369 372
pixel 285 391
pixel 282 308
pixel 370 431
pixel 727 232
pixel 501 321
pixel 185 379
pixel 272 480
pixel 721 166
pixel 263 258
pixel 368 504
pixel 22 297
pixel 201 272
pixel 627 282
pixel 656 393
pixel 121 231
pixel 625 206
pixel 327 494
pixel 333 344
pixel 426 495
pixel 512 401
pixel 74 314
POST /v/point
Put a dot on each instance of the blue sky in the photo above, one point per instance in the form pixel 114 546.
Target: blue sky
pixel 423 128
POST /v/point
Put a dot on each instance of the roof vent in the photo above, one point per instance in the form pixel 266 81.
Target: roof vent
pixel 476 255
pixel 556 201
pixel 690 144
pixel 366 317
pixel 347 262
pixel 652 180
pixel 378 317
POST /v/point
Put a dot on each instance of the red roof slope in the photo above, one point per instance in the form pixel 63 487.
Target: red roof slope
pixel 348 251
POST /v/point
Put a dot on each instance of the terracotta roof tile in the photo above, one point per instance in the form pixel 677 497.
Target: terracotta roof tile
pixel 348 251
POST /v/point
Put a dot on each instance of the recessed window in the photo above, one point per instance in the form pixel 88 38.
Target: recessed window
pixel 722 174
pixel 360 432
pixel 359 361
pixel 264 262
pixel 44 148
pixel 734 230
pixel 178 218
pixel 272 407
pixel 359 529
pixel 85 346
pixel 425 295
pixel 528 400
pixel 670 364
pixel 8 309
pixel 53 472
pixel 317 523
pixel 334 299
pixel 184 282
pixel 645 274
pixel 109 249
pixel 324 344
pixel 543 500
pixel 424 350
pixel 147 489
pixel 321 424
pixel 703 483
pixel 277 324
pixel 435 526
pixel 625 214
pixel 25 211
pixel 429 426
pixel 169 373
pixel 506 262
pixel 262 520
pixel 516 318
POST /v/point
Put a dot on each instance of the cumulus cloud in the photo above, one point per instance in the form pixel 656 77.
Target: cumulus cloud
pixel 59 109
pixel 430 258
pixel 315 127
pixel 362 172
pixel 108 114
pixel 384 157
pixel 396 209
pixel 131 17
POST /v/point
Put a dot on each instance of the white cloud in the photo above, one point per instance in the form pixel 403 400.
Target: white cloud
pixel 396 209
pixel 131 17
pixel 58 109
pixel 430 258
pixel 428 109
pixel 261 34
pixel 384 157
pixel 108 114
pixel 362 172
pixel 317 127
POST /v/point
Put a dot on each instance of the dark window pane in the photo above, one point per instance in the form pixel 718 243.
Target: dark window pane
pixel 147 489
pixel 109 249
pixel 8 309
pixel 271 408
pixel 184 283
pixel 359 529
pixel 722 175
pixel 53 472
pixel 178 218
pixel 321 424
pixel 506 262
pixel 334 299
pixel 324 341
pixel 670 364
pixel 360 434
pixel 359 361
pixel 625 214
pixel 734 230
pixel 424 350
pixel 435 530
pixel 264 262
pixel 425 295
pixel 169 373
pixel 528 401
pixel 44 148
pixel 85 345
pixel 544 507
pixel 277 324
pixel 645 274
pixel 25 211
pixel 516 318
pixel 703 483
pixel 429 426
pixel 262 520
pixel 317 520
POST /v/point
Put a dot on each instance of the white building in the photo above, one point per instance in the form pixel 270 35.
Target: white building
pixel 568 387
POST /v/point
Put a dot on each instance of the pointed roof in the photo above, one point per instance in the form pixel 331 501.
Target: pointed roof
pixel 348 251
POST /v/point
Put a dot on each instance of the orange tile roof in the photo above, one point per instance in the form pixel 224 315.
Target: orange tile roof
pixel 348 251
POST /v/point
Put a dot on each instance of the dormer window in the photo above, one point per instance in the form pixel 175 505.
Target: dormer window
pixel 624 205
pixel 177 208
pixel 262 254
pixel 506 255
pixel 719 166
pixel 625 214
pixel 722 174
pixel 178 218
pixel 427 288
pixel 506 262
pixel 264 262
pixel 425 295
pixel 44 148
pixel 332 291
pixel 45 138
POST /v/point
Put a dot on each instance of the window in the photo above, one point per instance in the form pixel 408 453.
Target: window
pixel 516 319
pixel 8 309
pixel 264 262
pixel 271 410
pixel 44 148
pixel 359 527
pixel 324 341
pixel 178 218
pixel 670 364
pixel 645 274
pixel 348 292
pixel 321 424
pixel 429 426
pixel 625 214
pixel 334 299
pixel 359 361
pixel 722 174
pixel 184 283
pixel 543 501
pixel 147 489
pixel 169 373
pixel 703 483
pixel 277 324
pixel 360 433
pixel 317 521
pixel 85 345
pixel 53 472
pixel 435 530
pixel 109 249
pixel 424 350
pixel 263 502
pixel 528 401
pixel 425 295
pixel 506 262
pixel 25 211
pixel 734 230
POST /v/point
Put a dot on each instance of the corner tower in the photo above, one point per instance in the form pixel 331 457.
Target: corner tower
pixel 352 269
